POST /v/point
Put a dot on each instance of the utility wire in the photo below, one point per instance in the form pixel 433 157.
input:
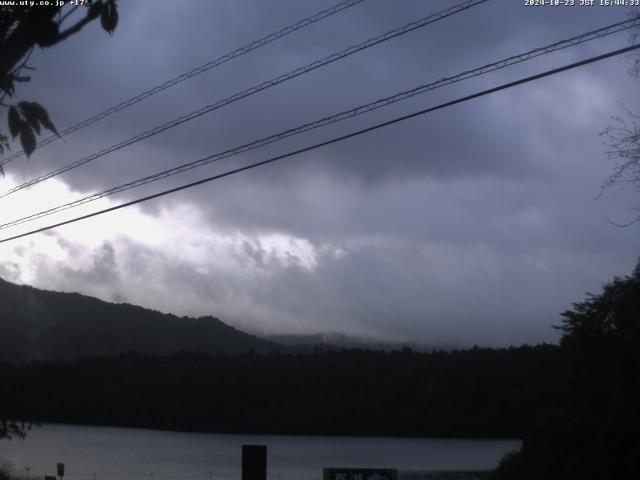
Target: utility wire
pixel 305 22
pixel 258 88
pixel 585 37
pixel 334 140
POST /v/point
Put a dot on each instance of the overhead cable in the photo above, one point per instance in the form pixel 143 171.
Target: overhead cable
pixel 573 41
pixel 331 141
pixel 253 90
pixel 305 22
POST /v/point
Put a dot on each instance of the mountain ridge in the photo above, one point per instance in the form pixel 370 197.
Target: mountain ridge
pixel 37 324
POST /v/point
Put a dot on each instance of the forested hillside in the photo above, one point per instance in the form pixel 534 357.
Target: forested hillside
pixel 472 393
pixel 42 325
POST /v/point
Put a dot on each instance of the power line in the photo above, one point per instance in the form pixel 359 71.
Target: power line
pixel 258 88
pixel 333 140
pixel 305 22
pixel 573 41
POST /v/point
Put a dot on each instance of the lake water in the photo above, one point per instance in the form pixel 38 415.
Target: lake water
pixel 118 453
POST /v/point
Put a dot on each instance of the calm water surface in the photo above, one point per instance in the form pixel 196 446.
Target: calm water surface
pixel 119 453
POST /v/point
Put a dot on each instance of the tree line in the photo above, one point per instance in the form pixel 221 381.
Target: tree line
pixel 479 392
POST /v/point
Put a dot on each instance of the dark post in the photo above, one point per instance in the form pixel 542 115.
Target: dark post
pixel 254 462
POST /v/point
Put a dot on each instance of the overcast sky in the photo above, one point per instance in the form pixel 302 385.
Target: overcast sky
pixel 477 224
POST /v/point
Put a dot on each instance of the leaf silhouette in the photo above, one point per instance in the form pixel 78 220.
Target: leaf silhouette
pixel 42 116
pixel 109 17
pixel 30 115
pixel 15 122
pixel 27 139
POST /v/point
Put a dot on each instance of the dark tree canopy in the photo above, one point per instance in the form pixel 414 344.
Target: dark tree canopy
pixel 479 392
pixel 23 28
pixel 611 316
pixel 13 429
pixel 594 431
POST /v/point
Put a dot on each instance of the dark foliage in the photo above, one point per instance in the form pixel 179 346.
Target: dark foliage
pixel 25 27
pixel 472 393
pixel 10 429
pixel 593 432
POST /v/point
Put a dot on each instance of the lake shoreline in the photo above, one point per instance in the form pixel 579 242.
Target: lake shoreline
pixel 292 435
pixel 108 452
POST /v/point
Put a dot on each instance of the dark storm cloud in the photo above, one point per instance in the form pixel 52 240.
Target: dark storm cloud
pixel 452 227
pixel 147 37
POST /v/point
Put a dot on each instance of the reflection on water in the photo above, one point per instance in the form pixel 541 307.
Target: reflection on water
pixel 101 453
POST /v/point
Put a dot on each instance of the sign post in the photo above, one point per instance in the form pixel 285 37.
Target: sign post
pixel 254 462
